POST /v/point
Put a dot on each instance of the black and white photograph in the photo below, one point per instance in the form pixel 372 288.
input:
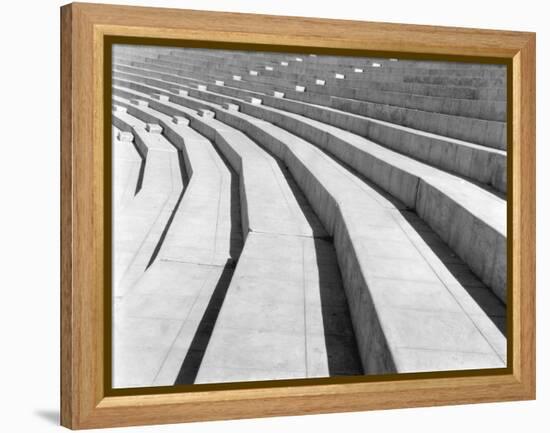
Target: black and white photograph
pixel 302 216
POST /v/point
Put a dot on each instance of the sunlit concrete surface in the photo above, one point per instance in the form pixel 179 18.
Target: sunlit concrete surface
pixel 279 216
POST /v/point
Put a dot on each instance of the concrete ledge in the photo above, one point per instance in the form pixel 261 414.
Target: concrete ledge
pixel 229 106
pixel 180 120
pixel 125 136
pixel 476 162
pixel 253 100
pixel 345 220
pixel 153 128
pixel 139 102
pixel 160 96
pixel 402 177
pixel 207 114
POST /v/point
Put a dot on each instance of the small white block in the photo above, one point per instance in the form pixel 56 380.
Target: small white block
pixel 207 113
pixel 180 120
pixel 279 94
pixel 255 101
pixel 183 92
pixel 320 82
pixel 237 77
pixel 393 60
pixel 299 59
pixel 253 73
pixel 284 63
pixel 153 128
pixel 160 97
pixel 125 136
pixel 230 107
pixel 300 88
pixel 339 76
pixel 376 65
pixel 140 102
pixel 358 70
pixel 119 109
pixel 313 55
pixel 268 68
pixel 219 83
pixel 201 87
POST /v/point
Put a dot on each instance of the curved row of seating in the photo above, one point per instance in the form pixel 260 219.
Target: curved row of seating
pixel 491 133
pixel 273 215
pixel 385 245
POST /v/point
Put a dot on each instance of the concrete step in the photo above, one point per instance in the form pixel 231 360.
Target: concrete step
pixel 188 270
pixel 315 174
pixel 139 224
pixel 305 61
pixel 478 163
pixel 365 90
pixel 126 179
pixel 285 315
pixel 484 132
pixel 470 219
pixel 266 221
pixel 380 83
pixel 343 203
pixel 203 221
pixel 364 74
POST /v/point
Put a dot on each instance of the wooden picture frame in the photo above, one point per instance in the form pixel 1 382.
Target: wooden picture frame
pixel 85 401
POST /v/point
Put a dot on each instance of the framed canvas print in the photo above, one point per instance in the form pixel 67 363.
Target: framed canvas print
pixel 269 216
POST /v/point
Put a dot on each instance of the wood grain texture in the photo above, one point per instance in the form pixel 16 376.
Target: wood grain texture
pixel 83 400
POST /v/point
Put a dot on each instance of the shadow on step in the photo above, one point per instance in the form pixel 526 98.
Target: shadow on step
pixel 341 347
pixel 479 292
pixel 185 182
pixel 191 363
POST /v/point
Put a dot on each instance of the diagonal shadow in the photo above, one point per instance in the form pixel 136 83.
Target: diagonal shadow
pixel 340 341
pixel 491 305
pixel 197 348
pixel 185 182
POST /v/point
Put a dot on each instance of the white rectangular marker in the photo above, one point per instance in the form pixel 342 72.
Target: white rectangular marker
pixel 180 120
pixel 153 128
